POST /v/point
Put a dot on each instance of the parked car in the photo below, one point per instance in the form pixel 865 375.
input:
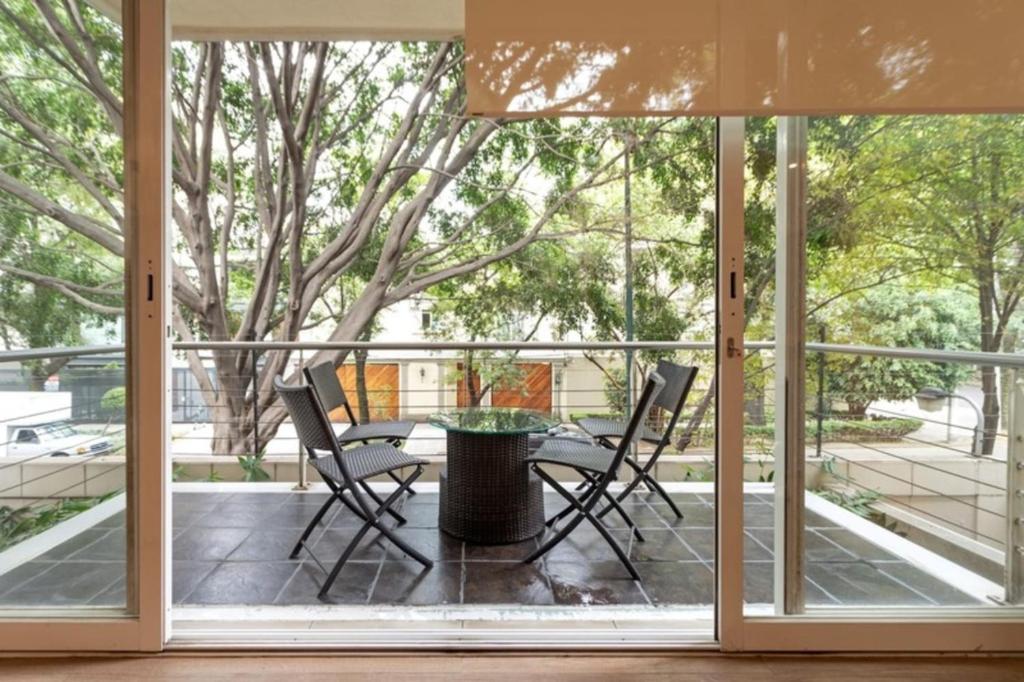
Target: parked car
pixel 55 439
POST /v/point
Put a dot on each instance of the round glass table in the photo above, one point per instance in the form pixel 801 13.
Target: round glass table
pixel 488 495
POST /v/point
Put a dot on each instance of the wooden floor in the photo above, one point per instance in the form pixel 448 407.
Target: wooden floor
pixel 589 668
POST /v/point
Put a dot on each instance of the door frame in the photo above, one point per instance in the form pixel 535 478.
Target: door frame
pixel 933 629
pixel 142 626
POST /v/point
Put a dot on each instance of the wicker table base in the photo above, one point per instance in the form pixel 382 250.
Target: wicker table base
pixel 488 495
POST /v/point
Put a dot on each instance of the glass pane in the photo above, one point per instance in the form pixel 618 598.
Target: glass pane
pixel 62 457
pixel 539 210
pixel 759 400
pixel 914 242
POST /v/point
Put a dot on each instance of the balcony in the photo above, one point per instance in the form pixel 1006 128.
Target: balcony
pixel 906 542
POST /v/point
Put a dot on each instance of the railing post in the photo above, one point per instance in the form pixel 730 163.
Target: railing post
pixel 821 395
pixel 254 377
pixel 303 484
pixel 1014 573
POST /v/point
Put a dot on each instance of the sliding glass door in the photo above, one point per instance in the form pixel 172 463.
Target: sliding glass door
pixel 82 410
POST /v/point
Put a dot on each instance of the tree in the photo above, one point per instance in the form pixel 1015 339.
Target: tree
pixel 316 162
pixel 945 195
pixel 889 315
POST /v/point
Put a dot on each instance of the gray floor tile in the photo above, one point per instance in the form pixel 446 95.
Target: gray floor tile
pixel 861 583
pixel 66 584
pixel 116 595
pixel 111 547
pixel 694 516
pixel 208 544
pixel 856 545
pixel 186 575
pixel 661 545
pixel 329 545
pixel 689 582
pixel 516 551
pixel 257 582
pixel 267 544
pixel 503 582
pixel 75 544
pixel 352 586
pixel 597 583
pixel 942 592
pixel 409 583
pixel 432 543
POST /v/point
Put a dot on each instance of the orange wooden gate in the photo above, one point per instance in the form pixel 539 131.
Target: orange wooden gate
pixel 530 390
pixel 381 391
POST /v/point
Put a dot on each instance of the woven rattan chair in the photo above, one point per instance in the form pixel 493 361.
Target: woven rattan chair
pixel 601 466
pixel 324 379
pixel 678 381
pixel 346 471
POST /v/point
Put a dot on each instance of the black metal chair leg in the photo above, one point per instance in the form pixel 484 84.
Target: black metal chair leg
pixel 568 508
pixel 398 479
pixel 312 524
pixel 650 481
pixel 333 575
pixel 405 547
pixel 613 504
pixel 614 545
pixel 377 498
pixel 582 513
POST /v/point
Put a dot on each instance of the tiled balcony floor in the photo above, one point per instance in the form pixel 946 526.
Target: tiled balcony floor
pixel 232 549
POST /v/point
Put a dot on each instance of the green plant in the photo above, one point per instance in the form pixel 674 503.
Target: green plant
pixel 178 473
pixel 214 477
pixel 252 467
pixel 19 524
pixel 858 502
pixel 114 399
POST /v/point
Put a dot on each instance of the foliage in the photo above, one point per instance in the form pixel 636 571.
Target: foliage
pixel 870 430
pixel 891 316
pixel 19 524
pixel 114 399
pixel 252 467
pixel 859 502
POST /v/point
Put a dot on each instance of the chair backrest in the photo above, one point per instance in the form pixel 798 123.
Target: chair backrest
pixel 324 379
pixel 678 382
pixel 652 387
pixel 310 420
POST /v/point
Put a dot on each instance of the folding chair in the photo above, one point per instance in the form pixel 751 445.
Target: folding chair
pixel 678 382
pixel 329 390
pixel 601 466
pixel 344 471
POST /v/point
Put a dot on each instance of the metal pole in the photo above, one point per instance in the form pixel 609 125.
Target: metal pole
pixel 302 484
pixel 255 399
pixel 627 219
pixel 821 394
pixel 1014 554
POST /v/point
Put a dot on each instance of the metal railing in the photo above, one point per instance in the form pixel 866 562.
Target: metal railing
pixel 872 458
pixel 58 443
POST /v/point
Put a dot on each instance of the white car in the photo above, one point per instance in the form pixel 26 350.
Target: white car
pixel 55 439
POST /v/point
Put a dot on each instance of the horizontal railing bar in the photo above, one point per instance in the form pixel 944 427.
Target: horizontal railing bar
pixel 959 356
pixel 445 345
pixel 50 353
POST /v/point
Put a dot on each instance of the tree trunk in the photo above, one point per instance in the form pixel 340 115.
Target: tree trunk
pixel 989 379
pixel 1009 345
pixel 361 393
pixel 857 410
pixel 697 418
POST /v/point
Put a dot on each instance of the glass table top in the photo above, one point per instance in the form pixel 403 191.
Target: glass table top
pixel 493 420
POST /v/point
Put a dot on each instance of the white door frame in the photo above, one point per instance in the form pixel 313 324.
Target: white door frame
pixel 147 293
pixel 854 630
